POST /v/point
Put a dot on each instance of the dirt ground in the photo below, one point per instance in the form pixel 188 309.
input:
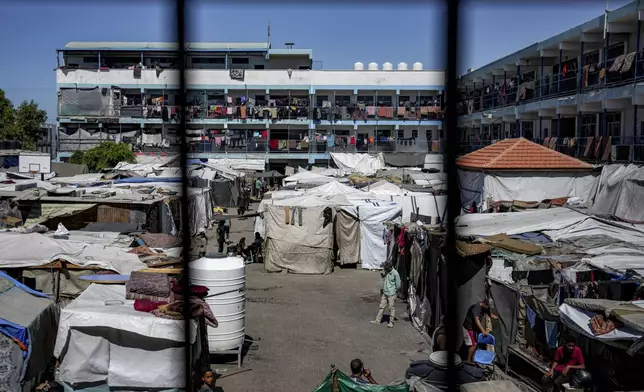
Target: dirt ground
pixel 300 325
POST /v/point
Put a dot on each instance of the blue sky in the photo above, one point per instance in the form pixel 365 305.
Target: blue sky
pixel 338 34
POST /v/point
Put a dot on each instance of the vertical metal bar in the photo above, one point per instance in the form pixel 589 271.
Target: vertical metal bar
pixel 99 60
pixel 453 193
pixel 580 68
pixel 541 79
pixel 638 44
pixel 579 130
pixel 606 44
pixel 517 126
pixel 185 211
pixel 560 71
pixel 558 126
pixel 493 84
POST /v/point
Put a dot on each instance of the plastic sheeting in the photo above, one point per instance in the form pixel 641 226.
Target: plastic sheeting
pixel 364 164
pixel 303 249
pixel 579 320
pixel 101 338
pixel 345 384
pixel 239 164
pixel 31 250
pixel 347 236
pixel 619 191
pixel 517 222
pixel 372 216
pixel 482 187
pixel 306 177
pixel 425 205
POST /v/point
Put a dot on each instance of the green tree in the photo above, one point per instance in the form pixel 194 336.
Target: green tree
pixel 29 121
pixel 107 155
pixel 22 123
pixel 7 118
pixel 77 157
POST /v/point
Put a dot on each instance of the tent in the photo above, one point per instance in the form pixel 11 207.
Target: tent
pixel 353 163
pixel 299 239
pixel 518 169
pixel 27 319
pixel 619 192
pixel 371 216
pixel 102 339
pixel 306 177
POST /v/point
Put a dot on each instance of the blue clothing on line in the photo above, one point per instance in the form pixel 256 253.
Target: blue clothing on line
pixel 551 333
pixel 531 316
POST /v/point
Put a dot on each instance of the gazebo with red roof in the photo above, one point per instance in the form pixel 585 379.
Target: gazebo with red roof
pixel 518 169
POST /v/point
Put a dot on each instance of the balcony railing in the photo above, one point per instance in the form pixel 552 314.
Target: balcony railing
pixel 618 71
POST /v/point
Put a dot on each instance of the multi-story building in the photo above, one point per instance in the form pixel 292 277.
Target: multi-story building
pixel 580 92
pixel 243 100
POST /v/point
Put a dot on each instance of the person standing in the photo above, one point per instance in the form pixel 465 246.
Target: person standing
pixel 390 285
pixel 221 236
pixel 258 187
pixel 473 325
pixel 226 226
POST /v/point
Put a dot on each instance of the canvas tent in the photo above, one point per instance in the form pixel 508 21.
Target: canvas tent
pixel 299 239
pixel 518 169
pixel 306 177
pixel 619 192
pixel 353 163
pixel 102 339
pixel 370 217
pixel 27 317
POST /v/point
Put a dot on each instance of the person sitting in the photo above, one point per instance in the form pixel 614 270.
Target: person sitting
pixel 208 380
pixel 568 359
pixel 241 247
pixel 257 243
pixel 359 374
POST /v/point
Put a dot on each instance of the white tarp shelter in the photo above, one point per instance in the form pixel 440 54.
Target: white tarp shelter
pixel 102 339
pixel 353 163
pixel 371 216
pixel 306 177
pixel 32 250
pixel 299 239
pixel 619 192
pixel 518 169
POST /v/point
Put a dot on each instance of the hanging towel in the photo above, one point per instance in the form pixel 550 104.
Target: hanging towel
pixel 242 112
pixel 282 144
pixel 273 144
pixel 608 149
pixel 293 216
pixel 287 215
pixel 553 143
pixel 628 62
pixel 584 76
pixel 598 146
pixel 531 316
pixel 401 111
pixel 352 141
pixel 546 142
pixel 371 110
pixel 551 333
pixel 330 141
pixel 589 146
pixel 618 63
pixel 382 112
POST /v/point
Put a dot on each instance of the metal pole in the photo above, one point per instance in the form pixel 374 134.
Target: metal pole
pixel 541 79
pixel 607 35
pixel 637 46
pixel 580 68
pixel 558 126
pixel 560 72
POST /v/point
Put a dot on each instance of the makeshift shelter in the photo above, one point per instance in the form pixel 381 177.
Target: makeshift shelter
pixel 68 169
pixel 306 177
pixel 103 340
pixel 338 381
pixel 369 218
pixel 299 239
pixel 518 169
pixel 619 192
pixel 354 163
pixel 27 321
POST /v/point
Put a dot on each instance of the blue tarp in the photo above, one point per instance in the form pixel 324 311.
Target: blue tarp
pixel 10 161
pixel 15 331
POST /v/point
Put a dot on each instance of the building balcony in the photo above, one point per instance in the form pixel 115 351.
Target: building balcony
pixel 252 79
pixel 615 73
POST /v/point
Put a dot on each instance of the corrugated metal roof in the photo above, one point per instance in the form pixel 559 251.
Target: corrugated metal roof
pixel 164 46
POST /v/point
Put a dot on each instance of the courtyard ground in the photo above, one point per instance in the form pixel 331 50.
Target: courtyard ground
pixel 300 325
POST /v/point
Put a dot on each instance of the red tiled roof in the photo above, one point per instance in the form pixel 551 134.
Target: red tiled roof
pixel 519 154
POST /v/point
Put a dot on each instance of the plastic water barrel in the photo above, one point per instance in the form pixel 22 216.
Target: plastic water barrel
pixel 387 66
pixel 225 278
pixel 373 66
pixel 358 66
